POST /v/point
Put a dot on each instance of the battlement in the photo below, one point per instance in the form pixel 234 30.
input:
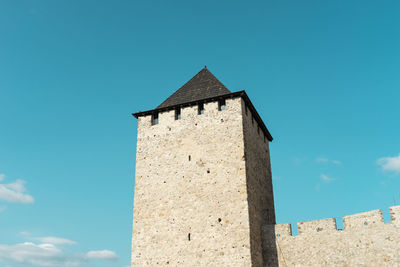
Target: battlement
pixel 372 218
pixel 366 240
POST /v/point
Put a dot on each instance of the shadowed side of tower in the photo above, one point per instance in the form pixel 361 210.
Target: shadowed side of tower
pixel 203 184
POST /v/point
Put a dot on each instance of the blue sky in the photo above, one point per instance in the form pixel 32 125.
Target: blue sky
pixel 324 76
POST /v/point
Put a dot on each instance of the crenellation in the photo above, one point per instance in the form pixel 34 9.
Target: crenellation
pixel 350 222
pixel 373 244
pixel 316 226
pixel 364 219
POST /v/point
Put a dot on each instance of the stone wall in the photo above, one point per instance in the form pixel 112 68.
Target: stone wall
pixel 190 202
pixel 366 240
pixel 259 184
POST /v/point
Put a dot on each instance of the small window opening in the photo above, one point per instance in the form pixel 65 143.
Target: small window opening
pixel 208 171
pixel 252 120
pixel 154 119
pixel 245 108
pixel 219 219
pixel 200 110
pixel 221 104
pixel 190 158
pixel 177 114
pixel 189 236
pixel 258 130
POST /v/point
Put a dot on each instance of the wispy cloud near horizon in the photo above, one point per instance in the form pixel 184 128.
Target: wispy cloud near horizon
pixel 48 239
pixel 56 240
pixel 48 254
pixel 102 255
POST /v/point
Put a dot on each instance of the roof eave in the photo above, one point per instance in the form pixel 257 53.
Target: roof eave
pixel 230 95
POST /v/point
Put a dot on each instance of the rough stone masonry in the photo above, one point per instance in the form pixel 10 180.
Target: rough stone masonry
pixel 203 193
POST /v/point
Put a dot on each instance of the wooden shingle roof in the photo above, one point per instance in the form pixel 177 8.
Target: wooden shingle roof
pixel 202 86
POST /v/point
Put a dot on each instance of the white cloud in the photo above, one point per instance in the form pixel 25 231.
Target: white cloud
pixel 38 255
pixel 15 192
pixel 321 160
pixel 102 255
pixel 326 178
pixel 2 176
pixel 56 240
pixel 49 255
pixel 48 239
pixel 390 164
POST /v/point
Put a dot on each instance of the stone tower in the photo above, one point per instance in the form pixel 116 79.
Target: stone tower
pixel 203 185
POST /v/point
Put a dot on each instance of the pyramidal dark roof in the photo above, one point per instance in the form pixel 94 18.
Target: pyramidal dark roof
pixel 202 86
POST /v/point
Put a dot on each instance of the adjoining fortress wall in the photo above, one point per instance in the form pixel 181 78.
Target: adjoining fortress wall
pixel 366 240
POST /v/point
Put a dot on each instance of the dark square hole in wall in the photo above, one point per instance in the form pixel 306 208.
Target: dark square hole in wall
pixel 200 109
pixel 178 114
pixel 154 119
pixel 221 104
